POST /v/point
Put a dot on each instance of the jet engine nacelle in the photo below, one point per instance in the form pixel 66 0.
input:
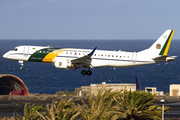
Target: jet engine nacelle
pixel 63 64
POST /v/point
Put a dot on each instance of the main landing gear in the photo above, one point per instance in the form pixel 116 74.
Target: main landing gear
pixel 21 63
pixel 84 72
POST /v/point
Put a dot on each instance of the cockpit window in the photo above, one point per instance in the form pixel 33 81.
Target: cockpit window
pixel 15 49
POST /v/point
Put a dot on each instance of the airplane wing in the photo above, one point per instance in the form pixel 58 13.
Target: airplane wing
pixel 84 61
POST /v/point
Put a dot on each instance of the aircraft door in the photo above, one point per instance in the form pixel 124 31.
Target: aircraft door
pixel 26 51
pixel 134 57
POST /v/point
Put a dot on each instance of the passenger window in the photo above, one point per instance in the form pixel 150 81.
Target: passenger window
pixel 112 55
pixel 94 54
pixel 102 55
pixel 108 55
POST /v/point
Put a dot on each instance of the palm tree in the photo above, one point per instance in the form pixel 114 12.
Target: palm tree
pixel 122 105
pixel 99 107
pixel 64 110
pixel 30 112
pixel 67 110
pixel 135 105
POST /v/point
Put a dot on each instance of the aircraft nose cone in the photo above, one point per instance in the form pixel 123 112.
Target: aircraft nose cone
pixel 5 55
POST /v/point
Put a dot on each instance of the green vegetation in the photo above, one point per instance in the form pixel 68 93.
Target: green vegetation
pixel 65 92
pixel 99 107
pixel 109 105
pixel 136 105
pixel 30 112
pixel 64 110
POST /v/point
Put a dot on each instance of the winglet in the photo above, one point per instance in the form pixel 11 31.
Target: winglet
pixel 90 54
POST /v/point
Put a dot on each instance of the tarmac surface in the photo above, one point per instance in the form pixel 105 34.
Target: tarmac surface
pixel 174 112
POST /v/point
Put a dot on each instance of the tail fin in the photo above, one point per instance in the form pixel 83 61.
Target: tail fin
pixel 138 87
pixel 161 46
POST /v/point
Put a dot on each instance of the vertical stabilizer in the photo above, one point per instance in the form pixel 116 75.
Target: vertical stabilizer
pixel 161 46
pixel 138 87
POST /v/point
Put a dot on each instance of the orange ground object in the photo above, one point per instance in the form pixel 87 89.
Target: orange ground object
pixel 12 85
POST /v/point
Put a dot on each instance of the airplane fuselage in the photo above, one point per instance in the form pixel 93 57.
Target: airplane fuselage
pixel 73 58
pixel 100 58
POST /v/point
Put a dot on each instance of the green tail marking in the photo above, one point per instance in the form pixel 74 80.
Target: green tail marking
pixel 165 45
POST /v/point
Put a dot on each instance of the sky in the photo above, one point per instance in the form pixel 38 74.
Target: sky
pixel 88 19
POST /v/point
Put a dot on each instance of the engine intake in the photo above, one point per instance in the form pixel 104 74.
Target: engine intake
pixel 63 64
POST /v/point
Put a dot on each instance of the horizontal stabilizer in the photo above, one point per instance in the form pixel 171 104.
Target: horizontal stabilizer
pixel 170 58
pixel 164 58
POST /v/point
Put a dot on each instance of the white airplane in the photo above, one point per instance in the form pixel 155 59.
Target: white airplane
pixel 72 58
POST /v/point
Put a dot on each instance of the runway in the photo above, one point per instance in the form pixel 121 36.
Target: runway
pixel 174 112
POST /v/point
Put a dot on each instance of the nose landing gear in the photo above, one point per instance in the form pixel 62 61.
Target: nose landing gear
pixel 21 63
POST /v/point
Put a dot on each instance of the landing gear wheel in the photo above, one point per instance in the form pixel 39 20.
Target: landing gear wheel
pixel 21 68
pixel 89 72
pixel 83 72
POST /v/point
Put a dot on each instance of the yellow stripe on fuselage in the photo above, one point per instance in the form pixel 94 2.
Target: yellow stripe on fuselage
pixel 50 57
pixel 168 45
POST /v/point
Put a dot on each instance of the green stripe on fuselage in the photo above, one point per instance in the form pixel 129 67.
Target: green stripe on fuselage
pixel 39 55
